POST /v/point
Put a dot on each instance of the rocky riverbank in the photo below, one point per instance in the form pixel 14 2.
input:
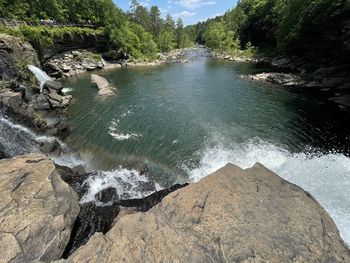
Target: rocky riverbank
pixel 291 72
pixel 231 215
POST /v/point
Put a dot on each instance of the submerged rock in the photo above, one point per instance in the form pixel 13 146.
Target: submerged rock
pixel 37 210
pixel 233 215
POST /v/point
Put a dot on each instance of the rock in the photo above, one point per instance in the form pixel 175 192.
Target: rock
pixel 93 218
pixel 283 63
pixel 13 102
pixel 42 103
pixel 284 79
pixel 54 85
pixel 72 63
pixel 108 195
pixel 37 210
pixel 89 64
pixel 15 55
pixel 233 215
pixel 102 84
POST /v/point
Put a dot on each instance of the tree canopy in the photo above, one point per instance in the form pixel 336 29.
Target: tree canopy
pixel 141 32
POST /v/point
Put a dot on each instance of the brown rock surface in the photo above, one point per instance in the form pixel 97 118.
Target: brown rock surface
pixel 233 215
pixel 37 210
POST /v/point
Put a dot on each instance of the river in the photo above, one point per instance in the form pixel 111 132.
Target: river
pixel 184 121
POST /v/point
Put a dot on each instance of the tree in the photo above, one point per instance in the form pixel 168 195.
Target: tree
pixel 142 17
pixel 165 41
pixel 169 23
pixel 180 33
pixel 155 20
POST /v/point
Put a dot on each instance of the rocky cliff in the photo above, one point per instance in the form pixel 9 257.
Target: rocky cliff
pixel 233 215
pixel 20 99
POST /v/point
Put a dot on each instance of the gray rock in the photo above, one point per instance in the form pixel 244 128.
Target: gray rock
pixel 42 103
pixel 284 79
pixel 55 85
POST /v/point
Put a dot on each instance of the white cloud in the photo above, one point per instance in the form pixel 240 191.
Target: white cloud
pixel 195 3
pixel 184 14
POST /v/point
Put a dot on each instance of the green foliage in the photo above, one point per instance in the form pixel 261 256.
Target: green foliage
pixel 166 41
pixel 141 33
pixel 218 37
pixel 42 36
pixel 297 26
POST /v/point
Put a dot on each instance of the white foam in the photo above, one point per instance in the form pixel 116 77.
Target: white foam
pixel 123 136
pixel 31 134
pixel 67 90
pixel 115 132
pixel 326 177
pixel 127 183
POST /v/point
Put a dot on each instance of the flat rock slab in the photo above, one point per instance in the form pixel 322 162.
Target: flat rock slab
pixel 37 210
pixel 102 84
pixel 233 215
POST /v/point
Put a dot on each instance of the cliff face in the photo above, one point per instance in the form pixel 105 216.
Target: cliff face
pixel 69 42
pixel 233 215
pixel 15 55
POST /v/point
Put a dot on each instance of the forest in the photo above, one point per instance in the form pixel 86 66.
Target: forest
pixel 140 32
pixel 305 28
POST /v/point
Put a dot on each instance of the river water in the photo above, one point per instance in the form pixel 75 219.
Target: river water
pixel 184 121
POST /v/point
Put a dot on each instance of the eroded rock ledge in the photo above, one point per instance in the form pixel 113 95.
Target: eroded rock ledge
pixel 233 215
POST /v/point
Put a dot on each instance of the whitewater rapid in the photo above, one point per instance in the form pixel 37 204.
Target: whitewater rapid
pixel 325 176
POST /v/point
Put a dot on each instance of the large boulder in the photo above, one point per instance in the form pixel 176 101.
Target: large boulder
pixel 102 85
pixel 37 210
pixel 15 55
pixel 233 215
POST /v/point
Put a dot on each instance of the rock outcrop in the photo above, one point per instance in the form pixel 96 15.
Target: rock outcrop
pixel 15 55
pixel 19 93
pixel 102 84
pixel 73 63
pixel 233 215
pixel 284 79
pixel 37 210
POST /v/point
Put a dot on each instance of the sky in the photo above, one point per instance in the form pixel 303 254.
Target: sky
pixel 191 11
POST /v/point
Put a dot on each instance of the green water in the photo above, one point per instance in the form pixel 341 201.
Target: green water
pixel 169 117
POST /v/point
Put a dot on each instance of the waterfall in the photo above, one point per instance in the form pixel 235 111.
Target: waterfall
pixel 40 75
pixel 16 139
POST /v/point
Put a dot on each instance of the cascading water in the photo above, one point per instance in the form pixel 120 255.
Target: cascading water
pixel 16 139
pixel 40 75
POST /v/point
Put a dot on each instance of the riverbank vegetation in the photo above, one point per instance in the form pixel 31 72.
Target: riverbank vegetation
pixel 141 32
pixel 308 28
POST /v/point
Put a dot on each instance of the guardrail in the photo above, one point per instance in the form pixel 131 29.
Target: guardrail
pixel 49 23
